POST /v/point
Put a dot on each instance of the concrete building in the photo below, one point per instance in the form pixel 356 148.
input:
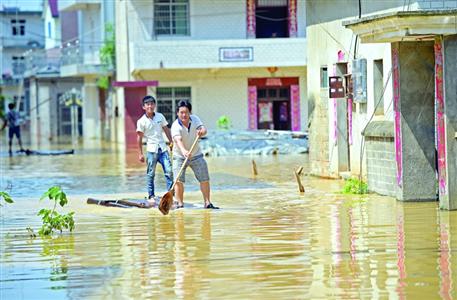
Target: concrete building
pixel 81 58
pixel 51 119
pixel 22 29
pixel 242 59
pixel 397 126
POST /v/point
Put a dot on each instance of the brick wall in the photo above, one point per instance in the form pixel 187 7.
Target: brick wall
pixel 380 156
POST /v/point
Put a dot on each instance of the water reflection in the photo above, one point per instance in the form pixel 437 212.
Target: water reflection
pixel 267 242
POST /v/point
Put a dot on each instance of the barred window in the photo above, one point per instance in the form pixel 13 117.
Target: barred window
pixel 168 98
pixel 171 17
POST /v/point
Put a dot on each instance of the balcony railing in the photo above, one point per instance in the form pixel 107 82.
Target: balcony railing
pixel 81 53
pixel 43 62
pixel 188 54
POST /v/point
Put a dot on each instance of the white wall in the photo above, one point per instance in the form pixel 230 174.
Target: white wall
pixel 53 40
pixel 209 20
pixel 224 92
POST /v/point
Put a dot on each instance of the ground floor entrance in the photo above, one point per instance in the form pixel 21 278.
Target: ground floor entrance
pixel 274 103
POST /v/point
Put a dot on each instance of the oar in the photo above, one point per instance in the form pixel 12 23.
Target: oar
pixel 167 200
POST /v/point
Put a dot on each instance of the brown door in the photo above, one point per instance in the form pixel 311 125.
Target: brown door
pixel 133 111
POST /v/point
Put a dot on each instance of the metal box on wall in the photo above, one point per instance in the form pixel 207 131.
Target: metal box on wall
pixel 336 88
pixel 359 80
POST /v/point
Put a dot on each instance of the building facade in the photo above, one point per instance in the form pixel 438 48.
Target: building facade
pixel 22 30
pixel 394 120
pixel 81 46
pixel 242 59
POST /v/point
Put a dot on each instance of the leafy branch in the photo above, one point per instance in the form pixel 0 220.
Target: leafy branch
pixel 52 220
pixel 6 197
pixel 107 55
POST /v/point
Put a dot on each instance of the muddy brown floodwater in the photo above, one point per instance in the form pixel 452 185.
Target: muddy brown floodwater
pixel 267 241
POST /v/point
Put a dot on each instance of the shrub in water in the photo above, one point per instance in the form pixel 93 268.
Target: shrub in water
pixel 355 186
pixel 52 220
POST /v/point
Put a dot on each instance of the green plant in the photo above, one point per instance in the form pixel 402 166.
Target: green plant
pixel 107 55
pixel 52 220
pixel 6 197
pixel 355 186
pixel 223 122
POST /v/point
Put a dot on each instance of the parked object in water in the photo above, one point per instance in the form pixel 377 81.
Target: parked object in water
pixel 123 203
pixel 46 152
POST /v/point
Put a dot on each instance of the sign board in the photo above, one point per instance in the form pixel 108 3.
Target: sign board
pixel 229 54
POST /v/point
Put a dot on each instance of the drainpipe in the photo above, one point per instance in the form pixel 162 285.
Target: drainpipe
pixel 357 36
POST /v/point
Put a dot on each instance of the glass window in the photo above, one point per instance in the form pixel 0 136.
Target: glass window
pixel 168 98
pixel 171 17
pixel 324 77
pixel 18 27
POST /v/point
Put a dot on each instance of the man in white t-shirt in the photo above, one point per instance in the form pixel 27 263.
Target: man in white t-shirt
pixel 151 126
pixel 184 131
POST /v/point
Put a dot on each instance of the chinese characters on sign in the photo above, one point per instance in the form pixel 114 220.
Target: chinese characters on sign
pixel 236 54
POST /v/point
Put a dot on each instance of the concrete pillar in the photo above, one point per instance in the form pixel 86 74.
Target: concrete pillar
pixel 412 75
pixel 448 197
pixel 91 115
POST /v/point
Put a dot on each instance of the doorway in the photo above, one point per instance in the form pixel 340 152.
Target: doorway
pixel 273 107
pixel 272 19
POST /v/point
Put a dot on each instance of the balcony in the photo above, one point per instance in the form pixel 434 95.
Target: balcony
pixel 39 63
pixel 71 5
pixel 6 80
pixel 20 42
pixel 82 60
pixel 199 54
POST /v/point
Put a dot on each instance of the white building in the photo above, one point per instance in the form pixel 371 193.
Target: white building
pixel 51 119
pixel 21 30
pixel 81 58
pixel 243 59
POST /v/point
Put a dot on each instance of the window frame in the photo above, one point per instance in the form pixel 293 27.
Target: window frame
pixel 172 32
pixel 18 27
pixel 173 98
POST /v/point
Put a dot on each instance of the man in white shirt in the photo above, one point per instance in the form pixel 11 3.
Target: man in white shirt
pixel 184 131
pixel 151 126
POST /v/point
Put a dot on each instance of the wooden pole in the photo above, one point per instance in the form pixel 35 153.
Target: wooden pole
pixel 300 185
pixel 254 168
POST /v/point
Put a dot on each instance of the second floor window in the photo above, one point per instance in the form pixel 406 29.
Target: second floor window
pixel 18 27
pixel 171 17
pixel 18 65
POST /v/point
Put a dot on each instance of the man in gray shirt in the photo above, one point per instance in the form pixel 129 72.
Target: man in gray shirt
pixel 184 131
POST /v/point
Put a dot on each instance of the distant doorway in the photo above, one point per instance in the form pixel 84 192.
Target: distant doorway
pixel 273 108
pixel 272 19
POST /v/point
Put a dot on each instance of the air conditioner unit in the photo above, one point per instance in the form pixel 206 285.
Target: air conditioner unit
pixel 359 80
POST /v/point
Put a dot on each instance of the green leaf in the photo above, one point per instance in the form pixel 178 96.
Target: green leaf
pixel 6 197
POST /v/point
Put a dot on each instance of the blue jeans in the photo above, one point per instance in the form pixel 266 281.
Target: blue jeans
pixel 164 160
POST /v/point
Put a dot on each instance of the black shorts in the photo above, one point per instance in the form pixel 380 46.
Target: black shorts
pixel 14 130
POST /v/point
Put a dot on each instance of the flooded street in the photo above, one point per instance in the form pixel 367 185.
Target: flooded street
pixel 266 242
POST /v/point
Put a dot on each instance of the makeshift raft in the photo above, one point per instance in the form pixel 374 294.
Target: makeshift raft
pixel 46 152
pixel 129 203
pixel 123 203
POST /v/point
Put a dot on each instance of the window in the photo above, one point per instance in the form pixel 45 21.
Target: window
pixel 324 77
pixel 18 65
pixel 18 27
pixel 49 30
pixel 378 87
pixel 168 98
pixel 171 17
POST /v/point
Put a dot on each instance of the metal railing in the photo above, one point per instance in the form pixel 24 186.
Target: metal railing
pixel 42 61
pixel 81 53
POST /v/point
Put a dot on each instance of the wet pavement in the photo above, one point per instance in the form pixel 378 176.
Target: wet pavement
pixel 268 241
